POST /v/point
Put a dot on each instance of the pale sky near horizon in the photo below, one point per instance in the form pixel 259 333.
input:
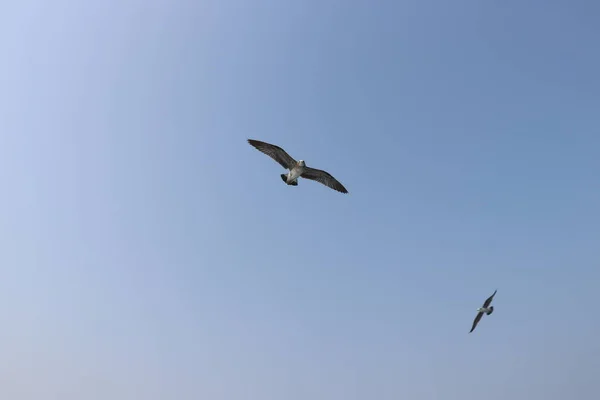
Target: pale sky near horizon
pixel 148 252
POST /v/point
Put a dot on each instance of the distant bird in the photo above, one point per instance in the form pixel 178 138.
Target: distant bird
pixel 485 309
pixel 297 168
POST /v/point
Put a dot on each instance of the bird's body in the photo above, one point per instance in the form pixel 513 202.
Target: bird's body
pixel 295 173
pixel 486 309
pixel 297 169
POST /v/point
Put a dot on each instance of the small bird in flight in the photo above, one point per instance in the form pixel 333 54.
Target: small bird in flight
pixel 485 309
pixel 297 168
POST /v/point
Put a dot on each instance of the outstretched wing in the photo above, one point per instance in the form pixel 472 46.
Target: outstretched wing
pixel 489 300
pixel 477 319
pixel 275 152
pixel 323 177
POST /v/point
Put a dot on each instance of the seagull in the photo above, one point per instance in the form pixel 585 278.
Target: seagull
pixel 485 309
pixel 297 168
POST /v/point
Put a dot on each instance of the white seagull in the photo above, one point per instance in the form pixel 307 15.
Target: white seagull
pixel 485 309
pixel 297 168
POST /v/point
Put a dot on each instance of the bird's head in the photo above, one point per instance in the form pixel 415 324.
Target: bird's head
pixel 301 163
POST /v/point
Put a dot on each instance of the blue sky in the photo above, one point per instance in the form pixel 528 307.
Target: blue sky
pixel 150 253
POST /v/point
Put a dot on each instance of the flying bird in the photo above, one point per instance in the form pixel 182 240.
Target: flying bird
pixel 297 168
pixel 485 309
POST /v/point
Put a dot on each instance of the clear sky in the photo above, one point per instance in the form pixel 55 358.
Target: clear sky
pixel 148 252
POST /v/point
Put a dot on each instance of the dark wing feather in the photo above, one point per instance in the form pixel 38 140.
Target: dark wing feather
pixel 275 152
pixel 476 321
pixel 323 177
pixel 489 300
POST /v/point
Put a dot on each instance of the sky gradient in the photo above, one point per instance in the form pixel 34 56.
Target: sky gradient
pixel 148 252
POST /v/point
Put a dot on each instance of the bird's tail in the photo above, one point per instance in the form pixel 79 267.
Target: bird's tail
pixel 284 178
pixel 491 310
